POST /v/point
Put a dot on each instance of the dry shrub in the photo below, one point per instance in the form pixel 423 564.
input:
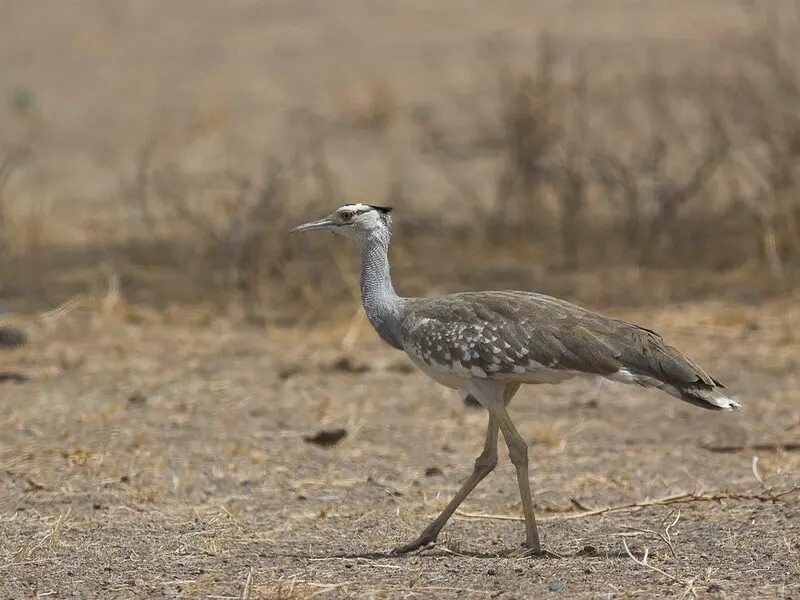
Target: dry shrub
pixel 10 161
pixel 764 104
pixel 223 237
pixel 652 187
pixel 226 233
pixel 691 169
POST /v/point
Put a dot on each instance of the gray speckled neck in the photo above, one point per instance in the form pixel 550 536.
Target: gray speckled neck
pixel 383 306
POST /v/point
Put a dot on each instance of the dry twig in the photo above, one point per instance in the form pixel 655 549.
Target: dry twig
pixel 665 536
pixel 247 585
pixel 643 562
pixel 767 495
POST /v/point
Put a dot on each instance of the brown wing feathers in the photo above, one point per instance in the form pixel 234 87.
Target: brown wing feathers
pixel 556 334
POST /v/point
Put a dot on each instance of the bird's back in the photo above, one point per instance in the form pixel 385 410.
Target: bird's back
pixel 529 337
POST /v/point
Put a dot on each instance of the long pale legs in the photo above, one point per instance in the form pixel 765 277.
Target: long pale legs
pixel 518 453
pixel 484 465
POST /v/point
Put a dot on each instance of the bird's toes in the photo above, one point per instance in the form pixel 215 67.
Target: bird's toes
pixel 400 550
pixel 532 553
pixel 411 546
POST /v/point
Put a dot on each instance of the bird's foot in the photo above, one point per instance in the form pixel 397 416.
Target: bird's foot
pixel 526 552
pixel 421 542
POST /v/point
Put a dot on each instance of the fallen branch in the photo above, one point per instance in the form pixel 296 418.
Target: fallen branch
pixel 682 498
pixel 787 446
pixel 643 562
pixel 664 537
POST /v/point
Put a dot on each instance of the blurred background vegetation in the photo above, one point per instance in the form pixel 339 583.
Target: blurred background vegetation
pixel 612 152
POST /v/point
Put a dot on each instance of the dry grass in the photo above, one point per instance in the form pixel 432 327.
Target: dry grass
pixel 170 460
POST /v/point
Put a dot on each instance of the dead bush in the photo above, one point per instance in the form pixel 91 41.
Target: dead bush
pixel 10 161
pixel 568 162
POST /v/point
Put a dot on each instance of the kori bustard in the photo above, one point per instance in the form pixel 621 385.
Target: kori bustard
pixel 487 344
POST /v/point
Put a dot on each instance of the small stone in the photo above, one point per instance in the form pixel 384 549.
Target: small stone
pixel 137 399
pixel 556 586
pixel 346 365
pixel 12 337
pixel 13 377
pixel 289 371
pixel 326 437
pixel 404 368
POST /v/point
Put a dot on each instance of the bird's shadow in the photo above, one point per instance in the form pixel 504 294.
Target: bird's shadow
pixel 435 552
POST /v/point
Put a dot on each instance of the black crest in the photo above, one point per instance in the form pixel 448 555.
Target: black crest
pixel 381 209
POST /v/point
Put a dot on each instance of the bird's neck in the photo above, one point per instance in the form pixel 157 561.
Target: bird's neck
pixel 381 303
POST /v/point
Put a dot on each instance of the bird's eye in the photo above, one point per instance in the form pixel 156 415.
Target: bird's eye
pixel 346 215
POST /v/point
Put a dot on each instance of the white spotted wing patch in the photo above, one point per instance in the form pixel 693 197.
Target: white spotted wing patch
pixel 477 349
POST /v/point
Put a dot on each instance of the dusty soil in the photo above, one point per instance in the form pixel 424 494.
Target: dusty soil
pixel 165 455
pixel 156 457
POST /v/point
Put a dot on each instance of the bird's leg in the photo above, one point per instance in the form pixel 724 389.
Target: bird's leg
pixel 518 453
pixel 484 465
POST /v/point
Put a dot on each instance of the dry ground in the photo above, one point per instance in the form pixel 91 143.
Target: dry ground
pixel 157 457
pixel 162 454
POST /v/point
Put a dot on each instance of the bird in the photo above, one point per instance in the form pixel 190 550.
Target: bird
pixel 487 344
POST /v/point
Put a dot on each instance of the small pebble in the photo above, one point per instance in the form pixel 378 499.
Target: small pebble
pixel 137 399
pixel 556 586
pixel 326 437
pixel 12 337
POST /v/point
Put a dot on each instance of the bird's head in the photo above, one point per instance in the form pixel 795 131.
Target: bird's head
pixel 359 222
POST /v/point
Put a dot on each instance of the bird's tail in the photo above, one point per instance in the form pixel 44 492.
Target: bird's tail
pixel 707 397
pixel 698 394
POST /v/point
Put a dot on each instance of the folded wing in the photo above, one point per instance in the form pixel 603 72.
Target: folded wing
pixel 519 336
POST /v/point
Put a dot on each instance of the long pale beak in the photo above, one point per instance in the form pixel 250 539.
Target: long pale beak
pixel 325 223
